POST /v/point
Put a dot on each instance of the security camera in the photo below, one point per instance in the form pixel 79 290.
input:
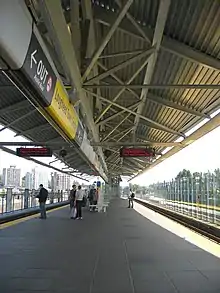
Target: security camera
pixel 62 153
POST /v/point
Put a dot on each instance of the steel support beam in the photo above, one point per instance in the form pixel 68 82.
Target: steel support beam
pixel 157 39
pixel 135 24
pixel 120 54
pixel 122 90
pixel 121 133
pixel 120 66
pixel 116 127
pixel 182 50
pixel 138 164
pixel 170 104
pixel 117 114
pixel 75 29
pixel 90 48
pixel 155 124
pixel 140 144
pixel 118 80
pixel 157 143
pixel 56 23
pixel 106 39
pixel 157 86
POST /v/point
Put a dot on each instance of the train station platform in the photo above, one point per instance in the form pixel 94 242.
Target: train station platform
pixel 120 251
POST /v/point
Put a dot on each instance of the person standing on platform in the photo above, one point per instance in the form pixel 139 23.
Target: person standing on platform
pixel 130 199
pixel 72 199
pixel 79 203
pixel 42 196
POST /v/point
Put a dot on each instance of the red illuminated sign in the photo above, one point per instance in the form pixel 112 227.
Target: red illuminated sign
pixel 136 152
pixel 34 152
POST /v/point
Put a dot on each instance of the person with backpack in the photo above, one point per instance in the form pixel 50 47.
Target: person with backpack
pixel 131 199
pixel 42 196
pixel 72 198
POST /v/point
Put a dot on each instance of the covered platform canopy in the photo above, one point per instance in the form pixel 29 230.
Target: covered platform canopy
pixel 139 73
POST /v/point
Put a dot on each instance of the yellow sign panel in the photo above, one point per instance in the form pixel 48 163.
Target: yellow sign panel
pixel 63 112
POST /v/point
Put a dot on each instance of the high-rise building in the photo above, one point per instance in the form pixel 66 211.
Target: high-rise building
pixel 29 181
pixel 43 178
pixel 54 181
pixel 60 181
pixel 12 177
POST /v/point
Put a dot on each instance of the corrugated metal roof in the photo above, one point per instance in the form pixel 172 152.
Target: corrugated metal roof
pixel 194 23
pixel 192 28
pixel 30 126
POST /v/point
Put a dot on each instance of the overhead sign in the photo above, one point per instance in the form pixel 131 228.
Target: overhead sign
pixel 136 152
pixel 38 70
pixel 34 152
pixel 63 112
pixel 54 97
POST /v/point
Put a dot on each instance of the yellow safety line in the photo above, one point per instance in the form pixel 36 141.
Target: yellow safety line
pixel 15 222
pixel 196 204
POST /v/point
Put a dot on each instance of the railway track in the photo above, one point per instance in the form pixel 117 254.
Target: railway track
pixel 206 230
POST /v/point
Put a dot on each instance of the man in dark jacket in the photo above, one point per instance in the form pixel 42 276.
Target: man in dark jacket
pixel 42 196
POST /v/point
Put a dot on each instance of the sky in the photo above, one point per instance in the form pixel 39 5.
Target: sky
pixel 6 160
pixel 202 155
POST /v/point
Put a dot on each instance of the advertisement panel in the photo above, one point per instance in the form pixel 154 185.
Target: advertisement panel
pixel 62 111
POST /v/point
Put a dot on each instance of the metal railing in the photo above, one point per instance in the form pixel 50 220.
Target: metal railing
pixel 11 202
pixel 196 197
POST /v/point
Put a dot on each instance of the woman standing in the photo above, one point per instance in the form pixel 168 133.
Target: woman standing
pixel 79 202
pixel 72 199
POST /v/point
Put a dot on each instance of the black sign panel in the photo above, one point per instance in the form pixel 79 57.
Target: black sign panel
pixel 37 69
pixel 136 152
pixel 34 152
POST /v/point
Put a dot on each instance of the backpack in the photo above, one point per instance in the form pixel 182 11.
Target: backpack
pixel 132 195
pixel 43 195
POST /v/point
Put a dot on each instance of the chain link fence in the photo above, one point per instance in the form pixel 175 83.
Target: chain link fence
pixel 194 196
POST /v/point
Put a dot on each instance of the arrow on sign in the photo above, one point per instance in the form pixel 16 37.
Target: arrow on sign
pixel 33 59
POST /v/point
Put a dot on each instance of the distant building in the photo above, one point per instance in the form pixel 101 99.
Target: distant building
pixel 39 177
pixel 43 179
pixel 28 181
pixel 12 177
pixel 23 182
pixel 1 180
pixel 54 181
pixel 60 181
pixel 35 183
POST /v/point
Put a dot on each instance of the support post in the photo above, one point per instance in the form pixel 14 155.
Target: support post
pixel 26 198
pixel 9 200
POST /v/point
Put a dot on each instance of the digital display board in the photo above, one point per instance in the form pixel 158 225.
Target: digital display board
pixel 34 152
pixel 136 152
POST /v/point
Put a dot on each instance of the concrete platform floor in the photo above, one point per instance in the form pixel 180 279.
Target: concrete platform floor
pixel 120 251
